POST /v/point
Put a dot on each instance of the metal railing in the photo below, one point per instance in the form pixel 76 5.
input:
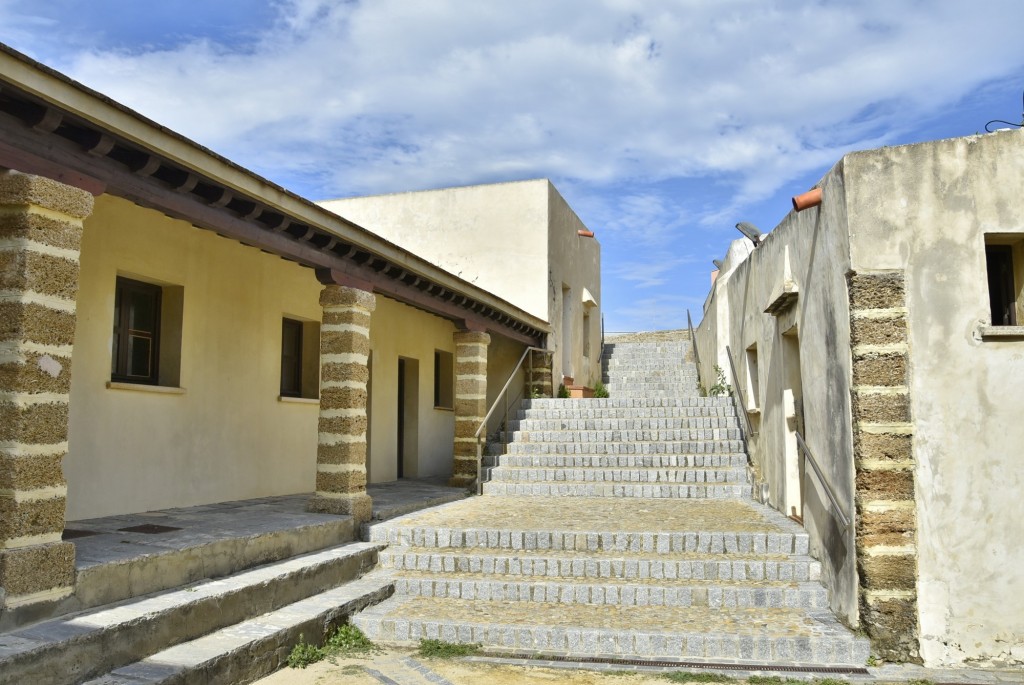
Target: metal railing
pixel 503 395
pixel 742 409
pixel 693 342
pixel 821 479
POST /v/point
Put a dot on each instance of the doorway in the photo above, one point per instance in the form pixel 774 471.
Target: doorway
pixel 408 418
pixel 567 331
pixel 793 411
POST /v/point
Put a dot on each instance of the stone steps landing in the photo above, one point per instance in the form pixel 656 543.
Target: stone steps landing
pixel 755 634
pixel 92 643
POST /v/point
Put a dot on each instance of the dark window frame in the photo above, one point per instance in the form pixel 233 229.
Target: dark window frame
pixel 1002 292
pixel 123 333
pixel 291 383
pixel 444 390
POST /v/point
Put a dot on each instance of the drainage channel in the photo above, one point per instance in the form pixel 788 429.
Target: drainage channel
pixel 695 665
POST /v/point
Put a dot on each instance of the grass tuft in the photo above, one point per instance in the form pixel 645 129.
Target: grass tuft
pixel 687 677
pixel 439 649
pixel 344 641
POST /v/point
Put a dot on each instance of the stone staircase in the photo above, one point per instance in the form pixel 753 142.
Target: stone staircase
pixel 620 527
pixel 221 600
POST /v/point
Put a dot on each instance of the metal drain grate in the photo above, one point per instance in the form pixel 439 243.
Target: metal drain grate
pixel 695 665
pixel 72 533
pixel 148 529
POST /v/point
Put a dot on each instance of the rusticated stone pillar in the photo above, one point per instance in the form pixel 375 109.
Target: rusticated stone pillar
pixel 341 452
pixel 40 236
pixel 538 375
pixel 884 461
pixel 470 402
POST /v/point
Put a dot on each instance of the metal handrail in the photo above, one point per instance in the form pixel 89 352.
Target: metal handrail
pixel 693 342
pixel 739 394
pixel 821 479
pixel 501 395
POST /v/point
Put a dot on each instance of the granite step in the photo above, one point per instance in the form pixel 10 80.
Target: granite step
pixel 590 489
pixel 609 475
pixel 634 424
pixel 650 447
pixel 74 647
pixel 605 564
pixel 254 648
pixel 573 404
pixel 626 435
pixel 625 413
pixel 754 634
pixel 623 461
pixel 612 592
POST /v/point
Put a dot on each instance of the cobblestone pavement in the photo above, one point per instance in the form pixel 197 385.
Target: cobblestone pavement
pixel 596 514
pixel 404 667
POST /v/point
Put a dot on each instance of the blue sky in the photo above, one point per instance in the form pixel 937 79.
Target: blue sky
pixel 662 122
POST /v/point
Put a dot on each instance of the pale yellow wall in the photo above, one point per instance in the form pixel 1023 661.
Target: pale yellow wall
pixel 227 436
pixel 398 330
pixel 517 240
pixel 925 208
pixel 492 236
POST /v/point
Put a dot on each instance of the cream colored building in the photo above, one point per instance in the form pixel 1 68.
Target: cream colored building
pixel 176 330
pixel 519 240
pixel 884 326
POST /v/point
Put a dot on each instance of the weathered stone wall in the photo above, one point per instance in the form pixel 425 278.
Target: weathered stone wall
pixel 40 233
pixel 952 487
pixel 884 459
pixel 788 297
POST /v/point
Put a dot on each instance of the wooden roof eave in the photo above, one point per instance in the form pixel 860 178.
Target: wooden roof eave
pixel 73 142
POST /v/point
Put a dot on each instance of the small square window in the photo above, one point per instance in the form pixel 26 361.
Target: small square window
pixel 136 348
pixel 291 358
pixel 300 358
pixel 146 345
pixel 444 380
pixel 1004 261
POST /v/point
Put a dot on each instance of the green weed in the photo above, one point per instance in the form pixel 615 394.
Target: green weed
pixel 687 677
pixel 772 680
pixel 344 641
pixel 439 649
pixel 304 654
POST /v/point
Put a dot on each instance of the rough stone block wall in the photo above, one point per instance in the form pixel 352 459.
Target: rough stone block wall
pixel 40 237
pixel 341 450
pixel 539 376
pixel 884 460
pixel 470 402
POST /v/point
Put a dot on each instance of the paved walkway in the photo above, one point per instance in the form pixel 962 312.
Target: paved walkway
pixel 116 539
pixel 404 667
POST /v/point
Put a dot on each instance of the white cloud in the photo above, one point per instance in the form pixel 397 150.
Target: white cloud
pixel 622 102
pixel 389 94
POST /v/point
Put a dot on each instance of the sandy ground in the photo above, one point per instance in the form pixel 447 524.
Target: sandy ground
pixel 352 671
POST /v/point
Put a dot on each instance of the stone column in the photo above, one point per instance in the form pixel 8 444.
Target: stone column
pixel 344 353
pixel 470 402
pixel 40 236
pixel 884 461
pixel 538 374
